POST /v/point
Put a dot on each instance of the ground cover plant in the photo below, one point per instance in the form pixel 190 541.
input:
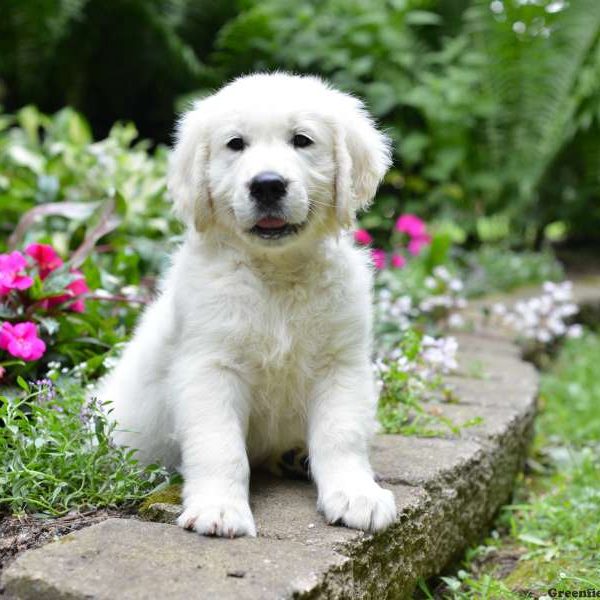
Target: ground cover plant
pixel 84 226
pixel 549 536
pixel 57 453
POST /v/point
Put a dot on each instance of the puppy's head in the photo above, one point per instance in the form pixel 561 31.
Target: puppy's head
pixel 276 158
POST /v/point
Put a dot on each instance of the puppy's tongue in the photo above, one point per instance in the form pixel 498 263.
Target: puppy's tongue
pixel 271 223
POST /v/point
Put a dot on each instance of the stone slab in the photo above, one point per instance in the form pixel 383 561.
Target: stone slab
pixel 136 560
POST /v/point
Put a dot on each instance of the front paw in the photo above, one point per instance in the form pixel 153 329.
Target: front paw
pixel 367 507
pixel 223 518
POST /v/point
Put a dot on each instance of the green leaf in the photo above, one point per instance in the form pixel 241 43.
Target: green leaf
pixel 23 384
pixel 532 539
pixel 422 17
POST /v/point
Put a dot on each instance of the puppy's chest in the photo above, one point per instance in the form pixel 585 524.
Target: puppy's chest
pixel 286 330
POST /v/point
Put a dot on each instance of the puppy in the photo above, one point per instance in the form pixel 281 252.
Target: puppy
pixel 260 340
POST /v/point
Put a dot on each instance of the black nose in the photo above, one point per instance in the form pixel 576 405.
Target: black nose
pixel 267 187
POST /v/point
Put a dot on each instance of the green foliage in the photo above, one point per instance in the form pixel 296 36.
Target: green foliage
pixel 497 269
pixel 494 108
pixel 63 189
pixel 570 394
pixel 52 162
pixel 56 453
pixel 129 60
pixel 478 118
pixel 552 527
pixel 542 76
pixel 403 406
pixel 488 269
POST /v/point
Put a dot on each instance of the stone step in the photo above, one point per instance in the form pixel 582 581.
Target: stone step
pixel 447 490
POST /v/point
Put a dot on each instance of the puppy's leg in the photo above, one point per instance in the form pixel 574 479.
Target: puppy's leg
pixel 340 424
pixel 212 415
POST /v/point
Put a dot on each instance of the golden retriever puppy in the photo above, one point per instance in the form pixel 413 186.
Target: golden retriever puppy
pixel 260 339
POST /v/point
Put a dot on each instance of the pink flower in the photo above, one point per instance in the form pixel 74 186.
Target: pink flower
pixel 418 243
pixel 363 237
pixel 21 340
pixel 398 261
pixel 46 258
pixel 411 225
pixel 378 258
pixel 77 287
pixel 11 277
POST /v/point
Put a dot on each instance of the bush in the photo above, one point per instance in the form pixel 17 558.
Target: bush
pixel 63 192
pixel 494 107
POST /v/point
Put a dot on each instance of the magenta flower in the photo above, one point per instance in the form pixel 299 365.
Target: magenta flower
pixel 78 288
pixel 22 341
pixel 362 237
pixel 378 258
pixel 416 244
pixel 398 261
pixel 411 225
pixel 416 230
pixel 11 277
pixel 46 258
pixel 75 289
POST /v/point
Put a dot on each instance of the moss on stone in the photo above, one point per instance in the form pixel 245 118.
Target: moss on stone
pixel 168 495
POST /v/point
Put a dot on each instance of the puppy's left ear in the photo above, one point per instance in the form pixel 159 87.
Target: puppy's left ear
pixel 363 155
pixel 188 168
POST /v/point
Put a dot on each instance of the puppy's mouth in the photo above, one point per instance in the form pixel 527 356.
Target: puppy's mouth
pixel 274 228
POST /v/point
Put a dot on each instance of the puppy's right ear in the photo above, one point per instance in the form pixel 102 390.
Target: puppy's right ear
pixel 188 168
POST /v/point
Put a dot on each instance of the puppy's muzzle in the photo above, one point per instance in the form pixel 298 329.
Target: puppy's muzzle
pixel 267 189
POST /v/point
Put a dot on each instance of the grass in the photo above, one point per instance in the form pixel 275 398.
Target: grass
pixel 56 454
pixel 550 536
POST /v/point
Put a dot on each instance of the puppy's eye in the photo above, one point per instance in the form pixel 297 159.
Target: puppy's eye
pixel 301 141
pixel 236 144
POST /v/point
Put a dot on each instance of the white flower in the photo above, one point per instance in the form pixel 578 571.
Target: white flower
pixel 130 290
pixel 575 331
pixel 442 273
pixel 561 292
pixel 499 309
pixel 440 354
pixel 544 336
pixel 456 321
pixel 403 364
pixel 543 318
pixel 456 285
